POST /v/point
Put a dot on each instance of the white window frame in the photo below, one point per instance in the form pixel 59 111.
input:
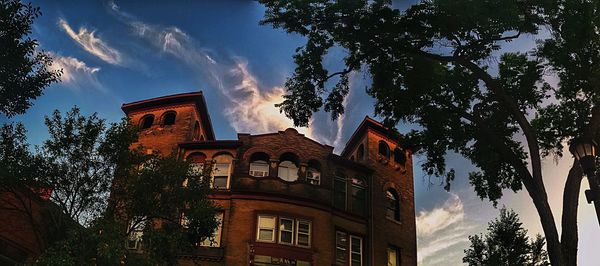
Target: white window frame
pixel 309 234
pixel 215 171
pixel 292 231
pixel 215 239
pixel 313 176
pixel 255 168
pixel 352 251
pixel 273 229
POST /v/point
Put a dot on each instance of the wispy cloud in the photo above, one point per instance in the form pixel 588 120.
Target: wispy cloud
pixel 76 73
pixel 441 230
pixel 88 41
pixel 250 106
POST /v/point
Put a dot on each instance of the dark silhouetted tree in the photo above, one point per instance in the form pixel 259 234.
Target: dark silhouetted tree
pixel 506 243
pixel 24 71
pixel 439 65
pixel 102 190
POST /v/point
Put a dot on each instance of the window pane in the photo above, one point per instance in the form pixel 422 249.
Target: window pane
pixel 356 250
pixel 339 187
pixel 303 240
pixel 220 182
pixel 221 169
pixel 266 228
pixel 215 239
pixel 286 230
pixel 287 171
pixel 303 234
pixel 265 234
pixel 392 256
pixel 341 246
pixel 259 169
pixel 358 200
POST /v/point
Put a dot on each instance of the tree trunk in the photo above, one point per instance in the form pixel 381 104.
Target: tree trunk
pixel 569 236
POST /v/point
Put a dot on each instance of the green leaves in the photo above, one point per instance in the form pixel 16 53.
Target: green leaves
pixel 24 71
pixel 506 243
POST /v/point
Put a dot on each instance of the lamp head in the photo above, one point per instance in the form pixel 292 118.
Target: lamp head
pixel 585 153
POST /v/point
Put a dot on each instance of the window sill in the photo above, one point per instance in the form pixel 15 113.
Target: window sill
pixel 393 220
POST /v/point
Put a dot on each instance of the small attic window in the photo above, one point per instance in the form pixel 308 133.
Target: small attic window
pixel 169 118
pixel 399 156
pixel 146 121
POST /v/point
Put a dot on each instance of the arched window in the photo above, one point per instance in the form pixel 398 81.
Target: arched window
pixel 259 164
pixel 196 132
pixel 169 118
pixel 146 121
pixel 399 156
pixel 313 172
pixel 288 167
pixel 358 195
pixel 384 149
pixel 360 153
pixel 339 191
pixel 222 171
pixel 393 204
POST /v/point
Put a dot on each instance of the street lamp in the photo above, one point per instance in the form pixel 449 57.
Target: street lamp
pixel 585 153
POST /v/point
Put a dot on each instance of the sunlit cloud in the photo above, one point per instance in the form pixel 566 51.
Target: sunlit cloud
pixel 440 229
pixel 88 41
pixel 76 73
pixel 250 106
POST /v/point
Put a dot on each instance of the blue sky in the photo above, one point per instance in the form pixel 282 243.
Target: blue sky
pixel 117 52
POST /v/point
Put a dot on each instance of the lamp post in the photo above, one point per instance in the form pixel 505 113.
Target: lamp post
pixel 585 153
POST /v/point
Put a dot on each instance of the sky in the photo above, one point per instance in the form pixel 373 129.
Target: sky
pixel 117 52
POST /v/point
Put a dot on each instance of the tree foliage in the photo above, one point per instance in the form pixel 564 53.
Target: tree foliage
pixel 506 243
pixel 24 71
pixel 102 190
pixel 440 66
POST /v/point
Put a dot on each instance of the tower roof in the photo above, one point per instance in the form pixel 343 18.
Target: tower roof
pixel 369 123
pixel 196 98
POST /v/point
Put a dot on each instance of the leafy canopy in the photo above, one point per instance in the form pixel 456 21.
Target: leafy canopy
pixel 104 190
pixel 506 243
pixel 24 70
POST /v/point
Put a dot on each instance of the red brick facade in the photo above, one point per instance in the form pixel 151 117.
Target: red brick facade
pixel 302 218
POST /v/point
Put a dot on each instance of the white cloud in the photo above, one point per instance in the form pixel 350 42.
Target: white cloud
pixel 75 73
pixel 442 231
pixel 92 44
pixel 250 106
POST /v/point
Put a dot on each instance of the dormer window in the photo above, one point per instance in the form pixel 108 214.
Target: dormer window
pixel 146 121
pixel 169 118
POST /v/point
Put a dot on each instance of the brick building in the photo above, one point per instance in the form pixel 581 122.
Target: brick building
pixel 287 199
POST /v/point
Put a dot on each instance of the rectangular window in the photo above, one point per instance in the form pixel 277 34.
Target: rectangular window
pixel 339 197
pixel 341 248
pixel 313 177
pixel 221 175
pixel 136 232
pixel 266 229
pixel 393 256
pixel 259 169
pixel 358 199
pixel 215 239
pixel 303 233
pixel 356 251
pixel 286 231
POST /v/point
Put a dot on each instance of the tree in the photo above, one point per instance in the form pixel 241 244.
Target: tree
pixel 434 65
pixel 506 243
pixel 102 191
pixel 24 71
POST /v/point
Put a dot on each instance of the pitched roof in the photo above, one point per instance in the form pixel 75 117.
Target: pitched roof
pixel 368 123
